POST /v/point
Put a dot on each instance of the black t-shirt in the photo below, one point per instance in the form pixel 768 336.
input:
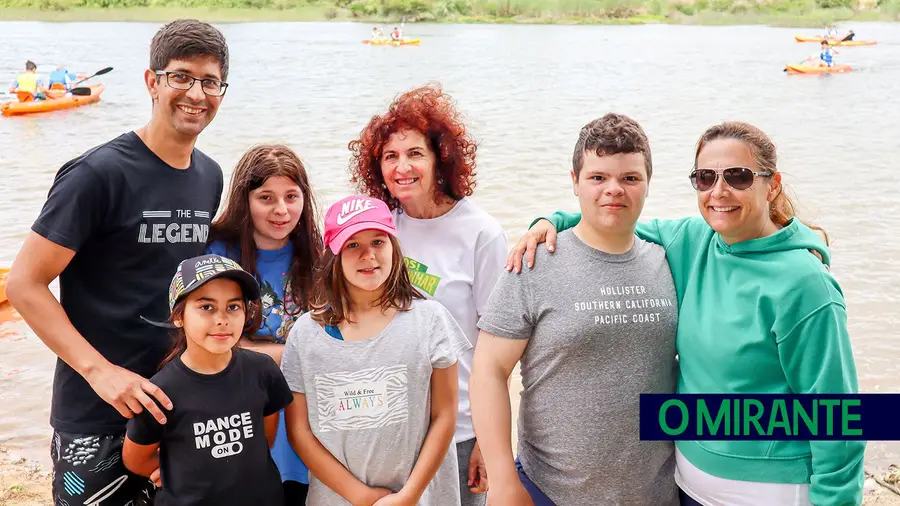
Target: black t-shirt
pixel 213 448
pixel 130 218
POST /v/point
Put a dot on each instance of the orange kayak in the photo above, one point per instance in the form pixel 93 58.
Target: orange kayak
pixel 52 104
pixel 835 42
pixel 794 68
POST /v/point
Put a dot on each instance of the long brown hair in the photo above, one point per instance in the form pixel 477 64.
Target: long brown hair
pixel 781 209
pixel 332 303
pixel 235 225
pixel 252 322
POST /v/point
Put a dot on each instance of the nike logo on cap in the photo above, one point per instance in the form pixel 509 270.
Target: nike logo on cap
pixel 353 208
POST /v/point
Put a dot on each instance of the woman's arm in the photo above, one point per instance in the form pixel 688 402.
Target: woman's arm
pixel 668 233
pixel 444 408
pixel 817 358
pixel 140 459
pixel 321 462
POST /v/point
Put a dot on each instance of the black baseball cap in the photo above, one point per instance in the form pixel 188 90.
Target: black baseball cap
pixel 197 271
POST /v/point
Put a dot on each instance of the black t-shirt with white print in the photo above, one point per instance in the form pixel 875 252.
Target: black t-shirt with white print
pixel 130 218
pixel 213 448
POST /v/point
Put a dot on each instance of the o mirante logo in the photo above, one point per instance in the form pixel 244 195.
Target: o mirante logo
pixel 697 417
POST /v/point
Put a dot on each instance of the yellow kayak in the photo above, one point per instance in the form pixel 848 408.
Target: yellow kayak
pixel 835 42
pixel 388 42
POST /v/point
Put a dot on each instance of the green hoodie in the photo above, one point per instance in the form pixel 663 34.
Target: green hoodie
pixel 760 316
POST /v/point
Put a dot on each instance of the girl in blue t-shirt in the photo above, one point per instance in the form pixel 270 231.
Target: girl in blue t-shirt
pixel 269 226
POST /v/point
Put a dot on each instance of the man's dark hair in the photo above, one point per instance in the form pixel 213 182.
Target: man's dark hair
pixel 611 135
pixel 29 65
pixel 186 39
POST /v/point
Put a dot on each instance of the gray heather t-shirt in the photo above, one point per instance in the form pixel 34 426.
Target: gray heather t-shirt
pixel 369 401
pixel 602 331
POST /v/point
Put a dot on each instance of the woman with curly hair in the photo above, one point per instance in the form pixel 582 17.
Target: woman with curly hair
pixel 419 159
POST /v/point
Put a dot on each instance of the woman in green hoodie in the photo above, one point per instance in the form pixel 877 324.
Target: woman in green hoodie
pixel 757 314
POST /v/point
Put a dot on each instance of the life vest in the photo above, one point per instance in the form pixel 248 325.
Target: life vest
pixel 27 82
pixel 60 77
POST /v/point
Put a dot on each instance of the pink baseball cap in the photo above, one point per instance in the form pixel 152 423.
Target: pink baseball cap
pixel 354 214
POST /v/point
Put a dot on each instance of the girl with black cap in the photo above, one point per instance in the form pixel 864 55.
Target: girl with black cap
pixel 213 447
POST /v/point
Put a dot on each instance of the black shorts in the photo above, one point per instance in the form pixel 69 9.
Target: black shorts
pixel 88 471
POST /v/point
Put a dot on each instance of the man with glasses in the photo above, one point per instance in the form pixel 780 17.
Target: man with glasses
pixel 117 221
pixel 594 327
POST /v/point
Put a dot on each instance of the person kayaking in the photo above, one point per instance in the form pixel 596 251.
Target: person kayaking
pixel 830 31
pixel 61 77
pixel 27 84
pixel 377 34
pixel 849 36
pixel 826 55
pixel 396 34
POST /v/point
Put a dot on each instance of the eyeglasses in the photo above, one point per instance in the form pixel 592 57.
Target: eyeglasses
pixel 182 81
pixel 739 178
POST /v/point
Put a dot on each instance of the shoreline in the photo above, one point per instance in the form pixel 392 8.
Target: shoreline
pixel 323 13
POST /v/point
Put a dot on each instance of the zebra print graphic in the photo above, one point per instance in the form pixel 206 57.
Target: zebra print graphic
pixel 365 399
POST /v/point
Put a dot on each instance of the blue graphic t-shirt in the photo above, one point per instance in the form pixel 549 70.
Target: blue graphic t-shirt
pixel 273 268
pixel 272 271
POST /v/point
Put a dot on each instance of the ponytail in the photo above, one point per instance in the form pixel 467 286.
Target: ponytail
pixel 782 212
pixel 180 342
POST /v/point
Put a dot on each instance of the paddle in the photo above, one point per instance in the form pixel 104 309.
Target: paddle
pixel 85 91
pixel 98 73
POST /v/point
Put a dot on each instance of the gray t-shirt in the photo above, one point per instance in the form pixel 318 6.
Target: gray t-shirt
pixel 369 401
pixel 602 331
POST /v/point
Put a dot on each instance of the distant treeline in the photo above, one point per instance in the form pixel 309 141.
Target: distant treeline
pixel 436 10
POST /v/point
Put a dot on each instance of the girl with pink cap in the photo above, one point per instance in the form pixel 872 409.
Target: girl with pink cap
pixel 373 368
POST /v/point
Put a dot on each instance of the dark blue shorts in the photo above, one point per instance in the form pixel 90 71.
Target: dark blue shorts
pixel 537 496
pixel 687 500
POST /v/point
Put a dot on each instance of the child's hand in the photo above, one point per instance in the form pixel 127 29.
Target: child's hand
pixel 372 496
pixel 478 480
pixel 156 478
pixel 397 499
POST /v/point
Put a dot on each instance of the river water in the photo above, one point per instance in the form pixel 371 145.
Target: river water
pixel 526 91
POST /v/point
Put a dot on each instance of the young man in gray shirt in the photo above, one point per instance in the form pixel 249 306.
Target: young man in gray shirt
pixel 593 325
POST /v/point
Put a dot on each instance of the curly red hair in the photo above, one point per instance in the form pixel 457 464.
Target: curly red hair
pixel 430 111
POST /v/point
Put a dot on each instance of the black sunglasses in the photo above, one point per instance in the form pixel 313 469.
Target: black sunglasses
pixel 739 178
